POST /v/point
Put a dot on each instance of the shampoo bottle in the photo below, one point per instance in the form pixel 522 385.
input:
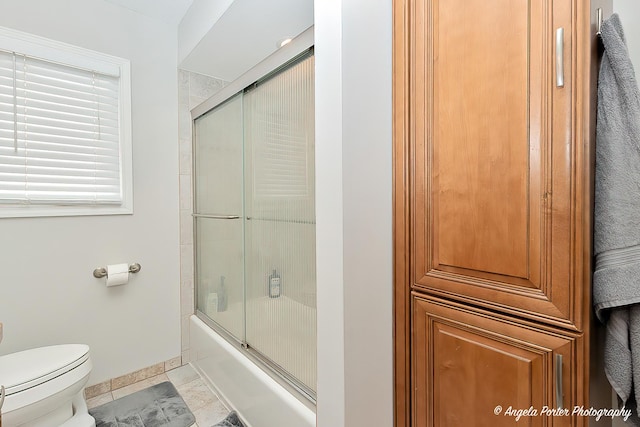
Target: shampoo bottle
pixel 212 299
pixel 222 298
pixel 274 284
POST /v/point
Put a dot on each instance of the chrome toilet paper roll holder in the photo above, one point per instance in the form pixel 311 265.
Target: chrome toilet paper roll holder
pixel 101 272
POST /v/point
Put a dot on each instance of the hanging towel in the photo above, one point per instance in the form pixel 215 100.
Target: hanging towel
pixel 616 280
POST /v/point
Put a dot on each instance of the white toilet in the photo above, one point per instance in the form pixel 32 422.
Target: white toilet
pixel 44 387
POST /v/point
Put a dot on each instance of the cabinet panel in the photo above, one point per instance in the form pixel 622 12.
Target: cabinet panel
pixel 480 135
pixel 467 362
pixel 494 157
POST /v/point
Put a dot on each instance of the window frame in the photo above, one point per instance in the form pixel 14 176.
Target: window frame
pixel 75 56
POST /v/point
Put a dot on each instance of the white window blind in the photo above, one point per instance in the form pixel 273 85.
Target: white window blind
pixel 59 133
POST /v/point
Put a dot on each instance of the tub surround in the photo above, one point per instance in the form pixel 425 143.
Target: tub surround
pixel 242 385
pixel 193 89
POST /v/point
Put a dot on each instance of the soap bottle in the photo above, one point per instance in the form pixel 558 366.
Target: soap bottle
pixel 212 299
pixel 274 284
pixel 222 297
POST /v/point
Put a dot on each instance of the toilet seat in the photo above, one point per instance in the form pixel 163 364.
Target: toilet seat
pixel 30 368
pixel 45 387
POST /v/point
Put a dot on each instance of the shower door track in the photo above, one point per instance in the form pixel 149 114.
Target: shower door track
pixel 284 56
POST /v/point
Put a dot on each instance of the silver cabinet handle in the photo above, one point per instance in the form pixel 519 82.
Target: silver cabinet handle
pixel 560 57
pixel 559 394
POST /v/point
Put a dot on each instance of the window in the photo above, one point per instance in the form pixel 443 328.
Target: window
pixel 65 134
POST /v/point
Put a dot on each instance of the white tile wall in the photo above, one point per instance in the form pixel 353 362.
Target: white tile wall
pixel 192 90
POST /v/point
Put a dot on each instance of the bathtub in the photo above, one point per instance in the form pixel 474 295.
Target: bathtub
pixel 258 398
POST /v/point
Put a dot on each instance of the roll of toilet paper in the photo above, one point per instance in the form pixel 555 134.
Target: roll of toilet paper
pixel 117 274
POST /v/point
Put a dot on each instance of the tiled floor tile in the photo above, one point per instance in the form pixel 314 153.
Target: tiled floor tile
pixel 210 414
pixel 196 394
pixel 124 391
pixel 99 400
pixel 204 404
pixel 182 375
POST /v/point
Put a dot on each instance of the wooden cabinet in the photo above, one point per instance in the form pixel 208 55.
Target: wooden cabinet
pixel 496 169
pixel 493 133
pixel 476 368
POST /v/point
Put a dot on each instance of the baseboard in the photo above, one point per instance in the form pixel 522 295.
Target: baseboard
pixel 133 377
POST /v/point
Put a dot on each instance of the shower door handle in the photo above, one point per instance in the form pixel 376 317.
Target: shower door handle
pixel 216 216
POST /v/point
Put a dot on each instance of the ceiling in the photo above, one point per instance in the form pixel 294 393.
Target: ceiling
pixel 247 32
pixel 170 11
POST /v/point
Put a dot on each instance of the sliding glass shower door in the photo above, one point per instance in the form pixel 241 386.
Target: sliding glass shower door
pixel 218 216
pixel 255 221
pixel 280 228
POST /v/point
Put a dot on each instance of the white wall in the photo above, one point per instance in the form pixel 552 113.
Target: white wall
pixel 629 12
pixel 329 214
pixel 196 23
pixel 368 219
pixel 354 212
pixel 47 292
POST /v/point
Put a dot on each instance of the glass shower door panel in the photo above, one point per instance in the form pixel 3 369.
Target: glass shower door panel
pixel 282 328
pixel 220 273
pixel 218 212
pixel 218 160
pixel 280 221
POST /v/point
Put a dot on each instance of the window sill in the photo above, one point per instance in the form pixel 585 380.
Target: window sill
pixel 29 211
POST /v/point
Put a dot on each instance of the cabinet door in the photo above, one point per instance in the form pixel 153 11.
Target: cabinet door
pixel 495 168
pixel 467 363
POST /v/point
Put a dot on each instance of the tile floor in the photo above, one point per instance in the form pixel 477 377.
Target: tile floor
pixel 204 404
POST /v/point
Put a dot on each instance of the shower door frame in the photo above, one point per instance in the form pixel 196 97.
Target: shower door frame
pixel 298 49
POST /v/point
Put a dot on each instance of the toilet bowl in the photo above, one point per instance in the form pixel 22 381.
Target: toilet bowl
pixel 44 387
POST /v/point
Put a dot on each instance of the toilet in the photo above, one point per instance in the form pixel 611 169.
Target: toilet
pixel 44 387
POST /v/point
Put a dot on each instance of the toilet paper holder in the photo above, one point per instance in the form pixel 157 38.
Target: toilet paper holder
pixel 101 272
